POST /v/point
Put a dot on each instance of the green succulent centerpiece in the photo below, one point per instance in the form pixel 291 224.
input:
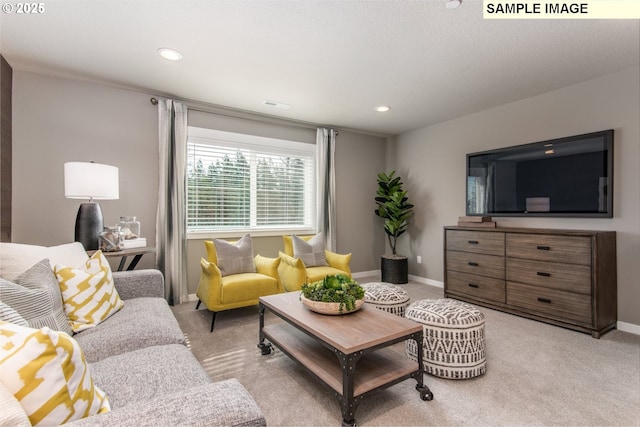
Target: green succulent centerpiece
pixel 338 288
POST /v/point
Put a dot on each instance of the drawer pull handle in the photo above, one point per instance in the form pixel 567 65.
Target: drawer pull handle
pixel 544 248
pixel 472 285
pixel 543 274
pixel 547 300
pixel 473 242
pixel 473 264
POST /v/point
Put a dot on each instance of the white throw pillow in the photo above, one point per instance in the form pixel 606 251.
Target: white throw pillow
pixel 88 292
pixel 47 373
pixel 311 251
pixel 16 258
pixel 12 413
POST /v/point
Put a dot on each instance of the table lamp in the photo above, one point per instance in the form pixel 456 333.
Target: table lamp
pixel 93 181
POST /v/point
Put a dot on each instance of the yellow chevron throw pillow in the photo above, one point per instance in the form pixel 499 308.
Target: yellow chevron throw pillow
pixel 47 373
pixel 88 292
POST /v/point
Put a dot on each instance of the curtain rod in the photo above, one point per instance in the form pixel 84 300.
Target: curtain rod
pixel 266 119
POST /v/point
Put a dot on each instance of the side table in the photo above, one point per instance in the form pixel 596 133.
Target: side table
pixel 124 253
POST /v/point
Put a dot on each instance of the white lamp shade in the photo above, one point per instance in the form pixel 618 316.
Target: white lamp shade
pixel 83 180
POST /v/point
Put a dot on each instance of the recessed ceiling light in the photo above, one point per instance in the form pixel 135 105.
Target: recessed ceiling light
pixel 170 54
pixel 382 108
pixel 453 4
pixel 276 104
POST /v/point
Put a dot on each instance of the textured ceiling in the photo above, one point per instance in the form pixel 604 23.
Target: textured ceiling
pixel 332 61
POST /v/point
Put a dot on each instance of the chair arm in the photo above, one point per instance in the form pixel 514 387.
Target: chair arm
pixel 292 272
pixel 139 283
pixel 339 261
pixel 268 267
pixel 210 284
pixel 223 403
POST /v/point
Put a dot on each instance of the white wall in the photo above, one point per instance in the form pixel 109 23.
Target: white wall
pixel 432 161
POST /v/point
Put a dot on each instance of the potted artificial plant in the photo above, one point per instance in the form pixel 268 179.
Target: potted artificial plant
pixel 395 209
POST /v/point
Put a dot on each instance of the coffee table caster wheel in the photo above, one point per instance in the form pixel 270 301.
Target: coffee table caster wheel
pixel 425 393
pixel 265 349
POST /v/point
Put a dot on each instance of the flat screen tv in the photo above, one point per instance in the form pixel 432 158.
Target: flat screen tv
pixel 570 177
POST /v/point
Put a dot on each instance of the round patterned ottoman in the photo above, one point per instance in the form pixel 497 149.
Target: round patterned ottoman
pixel 453 341
pixel 386 297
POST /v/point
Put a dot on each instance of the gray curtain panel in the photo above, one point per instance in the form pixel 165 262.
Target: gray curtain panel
pixel 326 191
pixel 171 225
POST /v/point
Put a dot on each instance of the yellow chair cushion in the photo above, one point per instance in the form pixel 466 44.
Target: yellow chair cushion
pixel 89 294
pixel 247 287
pixel 47 373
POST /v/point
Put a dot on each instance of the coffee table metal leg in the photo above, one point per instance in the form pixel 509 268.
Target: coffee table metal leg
pixel 348 403
pixel 264 348
pixel 425 393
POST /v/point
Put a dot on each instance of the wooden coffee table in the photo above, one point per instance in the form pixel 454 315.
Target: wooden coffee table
pixel 347 353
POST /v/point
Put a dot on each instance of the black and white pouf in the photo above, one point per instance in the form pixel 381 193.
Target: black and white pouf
pixel 454 344
pixel 387 297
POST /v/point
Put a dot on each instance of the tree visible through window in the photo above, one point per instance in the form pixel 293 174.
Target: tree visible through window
pixel 235 185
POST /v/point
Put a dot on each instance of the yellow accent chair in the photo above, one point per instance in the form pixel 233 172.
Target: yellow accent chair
pixel 294 272
pixel 219 291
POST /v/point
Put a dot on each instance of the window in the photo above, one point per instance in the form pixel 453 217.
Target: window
pixel 239 182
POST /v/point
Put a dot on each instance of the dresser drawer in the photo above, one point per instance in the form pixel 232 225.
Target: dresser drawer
pixel 476 286
pixel 472 263
pixel 541 247
pixel 567 277
pixel 490 243
pixel 559 304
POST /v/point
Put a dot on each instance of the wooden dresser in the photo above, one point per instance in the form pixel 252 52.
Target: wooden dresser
pixel 563 277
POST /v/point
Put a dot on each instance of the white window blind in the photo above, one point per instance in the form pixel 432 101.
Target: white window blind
pixel 247 183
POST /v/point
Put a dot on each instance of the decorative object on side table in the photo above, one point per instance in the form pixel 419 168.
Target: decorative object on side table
pixel 335 294
pixel 111 239
pixel 130 228
pixel 93 181
pixel 395 209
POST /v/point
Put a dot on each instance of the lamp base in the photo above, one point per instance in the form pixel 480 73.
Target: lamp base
pixel 89 224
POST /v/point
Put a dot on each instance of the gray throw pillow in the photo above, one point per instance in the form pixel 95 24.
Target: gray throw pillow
pixel 311 252
pixel 36 297
pixel 234 258
pixel 8 314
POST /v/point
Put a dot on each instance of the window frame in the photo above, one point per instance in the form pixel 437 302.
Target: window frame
pixel 260 143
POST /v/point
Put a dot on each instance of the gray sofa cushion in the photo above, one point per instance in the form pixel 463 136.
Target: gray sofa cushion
pixel 142 322
pixel 224 403
pixel 147 373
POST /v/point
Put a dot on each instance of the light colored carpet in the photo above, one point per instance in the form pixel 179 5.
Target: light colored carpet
pixel 537 374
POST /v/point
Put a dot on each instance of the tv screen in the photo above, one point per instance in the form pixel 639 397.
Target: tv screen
pixel 570 176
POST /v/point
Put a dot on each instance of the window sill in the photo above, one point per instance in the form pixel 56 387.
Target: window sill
pixel 219 234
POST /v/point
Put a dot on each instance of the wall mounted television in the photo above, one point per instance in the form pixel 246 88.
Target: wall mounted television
pixel 564 177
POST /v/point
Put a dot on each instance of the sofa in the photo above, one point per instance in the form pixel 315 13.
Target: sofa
pixel 138 356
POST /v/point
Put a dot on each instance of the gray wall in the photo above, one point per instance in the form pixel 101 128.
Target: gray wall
pixel 432 160
pixel 57 120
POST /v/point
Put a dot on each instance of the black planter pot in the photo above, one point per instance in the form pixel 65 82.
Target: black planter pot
pixel 395 269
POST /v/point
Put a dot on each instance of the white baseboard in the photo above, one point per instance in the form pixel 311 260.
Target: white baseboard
pixel 361 274
pixel 192 297
pixel 628 327
pixel 431 282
